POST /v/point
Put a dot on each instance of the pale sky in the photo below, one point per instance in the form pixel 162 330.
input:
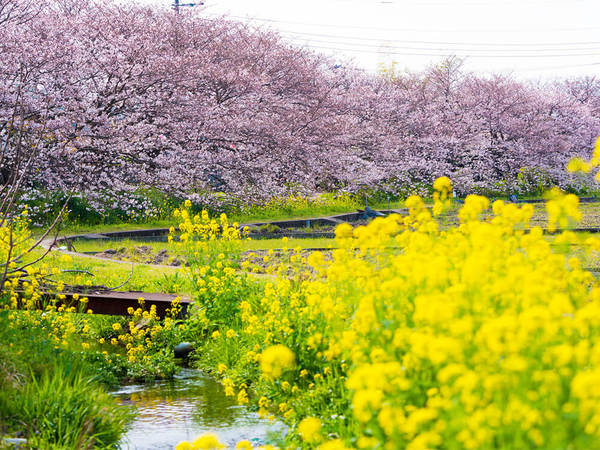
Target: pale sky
pixel 529 38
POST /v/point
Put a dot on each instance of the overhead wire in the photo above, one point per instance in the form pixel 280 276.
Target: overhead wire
pixel 550 47
pixel 564 55
pixel 391 47
pixel 454 3
pixel 497 47
pixel 385 44
pixel 424 30
pixel 491 44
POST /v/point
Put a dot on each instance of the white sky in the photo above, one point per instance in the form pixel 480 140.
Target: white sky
pixel 529 38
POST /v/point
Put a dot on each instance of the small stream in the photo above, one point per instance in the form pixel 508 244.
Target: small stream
pixel 169 412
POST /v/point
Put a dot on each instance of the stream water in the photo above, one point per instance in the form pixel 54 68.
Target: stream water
pixel 169 412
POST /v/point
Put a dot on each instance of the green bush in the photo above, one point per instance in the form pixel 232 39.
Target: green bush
pixel 533 181
pixel 54 397
pixel 65 408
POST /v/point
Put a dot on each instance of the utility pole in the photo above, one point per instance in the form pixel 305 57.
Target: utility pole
pixel 177 5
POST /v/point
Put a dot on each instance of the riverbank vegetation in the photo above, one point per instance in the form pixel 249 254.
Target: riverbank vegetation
pixel 409 330
pixel 51 395
pixel 412 336
pixel 122 137
pixel 459 321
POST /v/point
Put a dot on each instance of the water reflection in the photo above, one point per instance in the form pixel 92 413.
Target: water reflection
pixel 192 404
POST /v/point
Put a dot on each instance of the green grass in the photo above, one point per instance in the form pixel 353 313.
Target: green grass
pixel 253 244
pixel 268 244
pixel 109 273
pixel 589 258
pixel 98 245
pixel 100 228
pixel 278 212
pixel 156 279
pixel 305 213
pixel 256 215
pixel 145 277
pixel 52 396
pixel 62 407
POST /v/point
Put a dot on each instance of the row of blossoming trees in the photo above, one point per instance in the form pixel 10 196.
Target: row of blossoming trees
pixel 111 98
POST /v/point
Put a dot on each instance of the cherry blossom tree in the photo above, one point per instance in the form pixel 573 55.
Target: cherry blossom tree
pixel 132 98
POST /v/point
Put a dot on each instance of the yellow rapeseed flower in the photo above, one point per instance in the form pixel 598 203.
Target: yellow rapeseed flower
pixel 309 430
pixel 275 360
pixel 207 441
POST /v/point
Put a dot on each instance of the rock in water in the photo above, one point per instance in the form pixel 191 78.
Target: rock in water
pixel 183 350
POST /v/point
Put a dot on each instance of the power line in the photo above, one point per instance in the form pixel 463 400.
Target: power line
pixel 533 47
pixel 362 27
pixel 446 54
pixel 356 44
pixel 384 44
pixel 476 3
pixel 490 44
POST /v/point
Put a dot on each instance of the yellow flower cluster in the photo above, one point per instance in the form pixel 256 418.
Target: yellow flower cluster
pixel 563 210
pixel 475 336
pixel 22 294
pixel 442 188
pixel 210 441
pixel 275 360
pixel 140 340
pixel 207 441
pixel 309 430
pixel 580 165
pixel 200 227
pixel 206 242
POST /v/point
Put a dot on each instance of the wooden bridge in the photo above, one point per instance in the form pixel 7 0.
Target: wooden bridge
pixel 118 302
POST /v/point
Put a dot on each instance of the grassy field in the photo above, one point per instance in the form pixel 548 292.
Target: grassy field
pixel 253 244
pixel 266 311
pixel 151 278
pixel 306 213
pixel 111 274
pixel 257 215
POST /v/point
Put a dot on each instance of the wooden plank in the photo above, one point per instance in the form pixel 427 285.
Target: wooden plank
pixel 116 303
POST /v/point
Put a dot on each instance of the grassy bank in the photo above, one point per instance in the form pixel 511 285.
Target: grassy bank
pixel 276 209
pixel 413 337
pixel 85 270
pixel 302 343
pixel 51 395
